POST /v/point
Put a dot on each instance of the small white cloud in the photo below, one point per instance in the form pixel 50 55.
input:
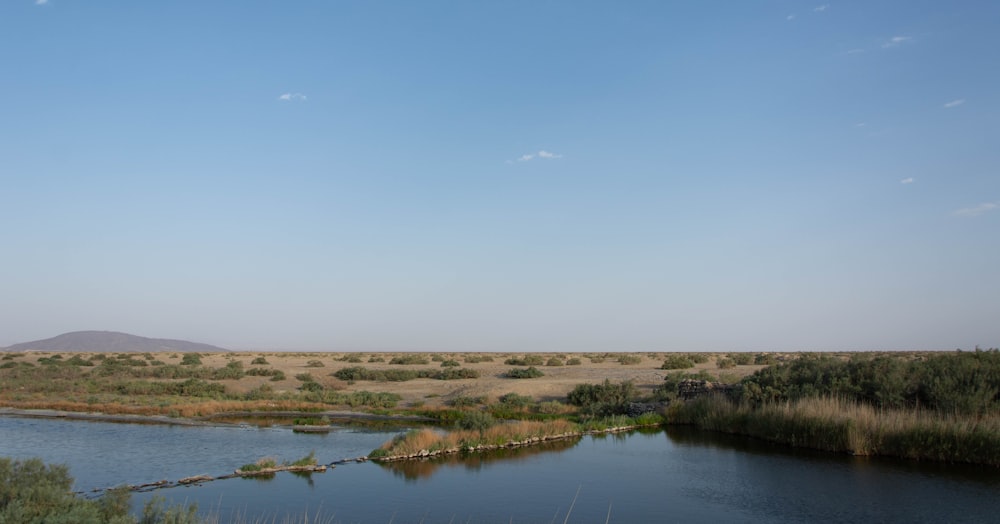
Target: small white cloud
pixel 821 8
pixel 954 103
pixel 977 210
pixel 861 124
pixel 292 96
pixel 548 155
pixel 790 17
pixel 895 41
pixel 907 180
pixel 41 2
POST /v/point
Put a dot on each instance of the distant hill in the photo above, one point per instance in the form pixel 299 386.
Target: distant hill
pixel 110 341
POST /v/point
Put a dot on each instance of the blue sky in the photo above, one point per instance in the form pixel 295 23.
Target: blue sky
pixel 505 176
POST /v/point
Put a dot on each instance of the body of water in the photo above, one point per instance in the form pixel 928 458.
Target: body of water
pixel 677 475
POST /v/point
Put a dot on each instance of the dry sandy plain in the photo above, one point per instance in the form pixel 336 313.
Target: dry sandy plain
pixel 557 382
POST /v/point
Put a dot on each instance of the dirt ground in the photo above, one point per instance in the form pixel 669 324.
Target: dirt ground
pixel 557 382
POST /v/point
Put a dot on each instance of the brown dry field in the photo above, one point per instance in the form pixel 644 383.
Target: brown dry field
pixel 557 382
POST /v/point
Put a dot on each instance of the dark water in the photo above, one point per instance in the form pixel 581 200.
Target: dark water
pixel 679 475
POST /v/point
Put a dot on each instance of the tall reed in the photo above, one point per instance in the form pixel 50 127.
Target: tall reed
pixel 836 424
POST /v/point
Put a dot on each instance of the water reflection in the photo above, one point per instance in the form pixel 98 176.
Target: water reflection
pixel 414 470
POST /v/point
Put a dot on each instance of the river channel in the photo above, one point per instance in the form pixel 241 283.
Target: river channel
pixel 673 475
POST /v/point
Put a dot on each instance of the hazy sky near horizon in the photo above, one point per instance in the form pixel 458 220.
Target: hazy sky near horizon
pixel 508 176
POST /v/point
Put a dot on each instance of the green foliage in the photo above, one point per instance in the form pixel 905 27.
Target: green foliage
pixel 259 361
pixel 305 377
pixel 529 372
pixel 573 362
pixel 308 460
pixel 603 399
pixel 437 358
pixel 232 371
pixel 450 363
pixel 373 359
pixel 315 364
pixel 629 360
pixel 698 358
pixel 463 401
pixel 527 360
pixel 33 492
pixel 475 359
pixel 554 361
pixel 742 359
pixel 764 359
pixel 516 401
pixel 725 363
pixel 476 421
pixel 966 383
pixel 677 362
pixel 409 360
pixel 191 359
pixel 356 373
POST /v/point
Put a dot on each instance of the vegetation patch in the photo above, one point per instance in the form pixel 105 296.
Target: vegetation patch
pixel 529 372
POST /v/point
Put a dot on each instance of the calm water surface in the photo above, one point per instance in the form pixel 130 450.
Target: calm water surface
pixel 678 475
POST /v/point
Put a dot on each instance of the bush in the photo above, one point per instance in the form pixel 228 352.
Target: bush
pixel 33 492
pixel 232 371
pixel 402 375
pixel 677 362
pixel 314 364
pixel 373 359
pixel 463 401
pixel 554 362
pixel 725 363
pixel 305 377
pixel 516 401
pixel 450 363
pixel 191 359
pixel 530 372
pixel 573 362
pixel 603 399
pixel 527 360
pixel 259 361
pixel 409 360
pixel 475 421
pixel 742 359
pixel 475 359
pixel 629 360
pixel 698 358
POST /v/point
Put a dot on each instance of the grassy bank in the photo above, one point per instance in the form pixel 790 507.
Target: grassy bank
pixel 840 425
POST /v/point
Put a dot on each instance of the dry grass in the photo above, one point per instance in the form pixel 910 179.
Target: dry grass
pixel 420 440
pixel 836 424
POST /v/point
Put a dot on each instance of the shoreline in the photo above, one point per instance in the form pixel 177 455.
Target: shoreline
pixel 200 421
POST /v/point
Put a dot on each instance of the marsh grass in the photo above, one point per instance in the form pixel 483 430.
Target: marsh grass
pixel 839 425
pixel 418 440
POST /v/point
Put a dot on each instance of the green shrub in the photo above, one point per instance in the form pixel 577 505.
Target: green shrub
pixel 314 364
pixel 573 362
pixel 191 359
pixel 278 376
pixel 677 362
pixel 259 361
pixel 409 360
pixel 375 359
pixel 232 371
pixel 475 359
pixel 437 358
pixel 450 363
pixel 463 401
pixel 475 421
pixel 530 372
pixel 527 360
pixel 629 360
pixel 603 399
pixel 698 358
pixel 742 359
pixel 725 363
pixel 554 361
pixel 764 359
pixel 516 401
